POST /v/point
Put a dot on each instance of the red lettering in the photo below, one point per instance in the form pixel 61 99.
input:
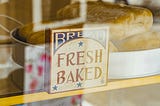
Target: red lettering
pixel 80 57
pixel 59 58
pixel 60 76
pixel 70 57
pixel 70 77
pixel 78 74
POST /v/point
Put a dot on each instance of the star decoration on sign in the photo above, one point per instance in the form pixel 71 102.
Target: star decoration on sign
pixel 80 43
pixel 55 87
pixel 79 84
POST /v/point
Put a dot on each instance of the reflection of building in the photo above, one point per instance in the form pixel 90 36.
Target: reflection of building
pixel 22 9
pixel 28 11
pixel 46 9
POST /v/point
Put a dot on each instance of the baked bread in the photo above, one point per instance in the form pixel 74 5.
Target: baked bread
pixel 143 41
pixel 30 36
pixel 26 32
pixel 123 20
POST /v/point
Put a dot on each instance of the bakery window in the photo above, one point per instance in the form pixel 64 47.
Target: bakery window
pixel 128 31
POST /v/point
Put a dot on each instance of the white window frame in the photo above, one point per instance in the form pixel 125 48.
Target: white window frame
pixel 37 16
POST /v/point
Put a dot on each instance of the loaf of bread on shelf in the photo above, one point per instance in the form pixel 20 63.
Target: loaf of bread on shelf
pixel 143 41
pixel 123 20
pixel 26 32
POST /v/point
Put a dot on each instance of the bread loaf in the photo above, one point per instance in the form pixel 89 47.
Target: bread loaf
pixel 123 20
pixel 143 41
pixel 26 30
pixel 31 37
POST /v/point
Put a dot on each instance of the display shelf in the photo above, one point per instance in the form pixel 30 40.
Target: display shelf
pixel 112 85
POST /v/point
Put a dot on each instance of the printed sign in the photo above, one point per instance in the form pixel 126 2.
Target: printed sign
pixel 78 59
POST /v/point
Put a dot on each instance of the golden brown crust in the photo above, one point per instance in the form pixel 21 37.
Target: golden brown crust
pixel 26 31
pixel 37 38
pixel 103 12
pixel 32 37
pixel 143 41
pixel 123 20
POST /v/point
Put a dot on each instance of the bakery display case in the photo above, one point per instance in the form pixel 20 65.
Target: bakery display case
pixel 131 44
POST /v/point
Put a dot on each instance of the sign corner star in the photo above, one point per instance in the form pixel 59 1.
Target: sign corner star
pixel 55 87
